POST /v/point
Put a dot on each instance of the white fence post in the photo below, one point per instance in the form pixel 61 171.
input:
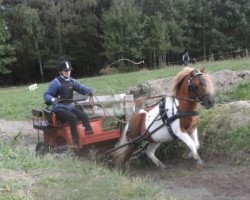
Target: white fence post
pixel 129 107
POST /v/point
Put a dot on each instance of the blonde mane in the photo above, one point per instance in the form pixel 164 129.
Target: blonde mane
pixel 179 78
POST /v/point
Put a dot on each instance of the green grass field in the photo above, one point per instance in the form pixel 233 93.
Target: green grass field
pixel 17 102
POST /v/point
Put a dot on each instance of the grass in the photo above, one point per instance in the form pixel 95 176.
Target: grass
pixel 241 92
pixel 17 102
pixel 64 176
pixel 234 64
pixel 225 132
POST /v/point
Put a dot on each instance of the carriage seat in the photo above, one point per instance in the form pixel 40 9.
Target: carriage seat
pixel 38 120
pixel 49 115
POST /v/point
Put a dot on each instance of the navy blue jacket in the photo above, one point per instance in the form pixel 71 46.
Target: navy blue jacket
pixel 55 85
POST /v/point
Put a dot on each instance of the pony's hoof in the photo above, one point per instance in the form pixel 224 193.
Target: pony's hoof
pixel 200 166
pixel 162 167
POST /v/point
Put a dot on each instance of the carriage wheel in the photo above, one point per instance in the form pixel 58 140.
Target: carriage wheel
pixel 42 148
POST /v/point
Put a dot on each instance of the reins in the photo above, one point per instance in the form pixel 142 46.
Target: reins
pixel 136 100
pixel 106 112
pixel 166 95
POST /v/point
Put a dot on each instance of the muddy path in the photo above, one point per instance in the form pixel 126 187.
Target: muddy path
pixel 217 181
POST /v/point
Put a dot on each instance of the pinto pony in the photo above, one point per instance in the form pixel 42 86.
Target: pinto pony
pixel 175 116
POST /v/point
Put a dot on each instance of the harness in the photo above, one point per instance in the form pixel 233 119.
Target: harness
pixel 168 120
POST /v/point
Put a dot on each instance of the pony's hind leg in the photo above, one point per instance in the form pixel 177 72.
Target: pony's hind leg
pixel 151 154
pixel 123 155
pixel 192 146
pixel 119 154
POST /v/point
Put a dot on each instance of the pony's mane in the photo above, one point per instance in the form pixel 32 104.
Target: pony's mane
pixel 179 78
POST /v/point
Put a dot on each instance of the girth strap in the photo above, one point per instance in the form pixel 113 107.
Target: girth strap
pixel 168 120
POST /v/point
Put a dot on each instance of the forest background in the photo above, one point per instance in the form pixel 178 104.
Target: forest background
pixel 92 34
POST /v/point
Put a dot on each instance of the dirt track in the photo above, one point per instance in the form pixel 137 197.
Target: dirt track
pixel 218 181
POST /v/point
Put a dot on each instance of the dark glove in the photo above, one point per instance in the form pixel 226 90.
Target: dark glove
pixel 54 100
pixel 91 93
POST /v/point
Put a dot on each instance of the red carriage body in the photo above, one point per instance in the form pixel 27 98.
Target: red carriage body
pixel 58 134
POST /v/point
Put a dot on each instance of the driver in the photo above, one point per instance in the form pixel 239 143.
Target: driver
pixel 62 88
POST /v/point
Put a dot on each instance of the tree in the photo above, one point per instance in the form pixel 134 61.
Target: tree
pixel 218 25
pixel 157 37
pixel 6 49
pixel 231 22
pixel 200 29
pixel 70 33
pixel 27 34
pixel 174 21
pixel 123 31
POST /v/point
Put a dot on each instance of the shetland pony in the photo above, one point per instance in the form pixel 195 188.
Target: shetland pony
pixel 176 116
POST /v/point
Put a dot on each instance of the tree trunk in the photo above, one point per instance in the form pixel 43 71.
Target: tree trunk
pixel 59 33
pixel 204 39
pixel 39 58
pixel 154 60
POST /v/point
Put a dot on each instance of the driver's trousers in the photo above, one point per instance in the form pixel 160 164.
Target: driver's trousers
pixel 72 117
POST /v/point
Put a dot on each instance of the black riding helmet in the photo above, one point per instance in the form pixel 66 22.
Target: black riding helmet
pixel 64 66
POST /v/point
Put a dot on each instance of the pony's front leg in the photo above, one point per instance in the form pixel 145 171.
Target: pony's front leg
pixel 151 154
pixel 194 137
pixel 192 146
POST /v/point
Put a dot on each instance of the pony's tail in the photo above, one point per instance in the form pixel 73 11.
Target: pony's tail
pixel 119 154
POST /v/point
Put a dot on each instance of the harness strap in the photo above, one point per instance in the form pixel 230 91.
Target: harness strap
pixel 168 120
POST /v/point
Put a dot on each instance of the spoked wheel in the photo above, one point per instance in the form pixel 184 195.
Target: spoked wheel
pixel 43 148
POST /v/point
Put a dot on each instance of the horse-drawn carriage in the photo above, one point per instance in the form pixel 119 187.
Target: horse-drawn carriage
pixel 175 116
pixel 57 135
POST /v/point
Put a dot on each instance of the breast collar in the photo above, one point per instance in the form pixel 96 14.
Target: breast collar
pixel 168 120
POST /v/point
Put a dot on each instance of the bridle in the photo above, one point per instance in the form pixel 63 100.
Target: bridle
pixel 192 88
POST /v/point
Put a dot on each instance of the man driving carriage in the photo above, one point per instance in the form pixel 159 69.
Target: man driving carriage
pixel 59 94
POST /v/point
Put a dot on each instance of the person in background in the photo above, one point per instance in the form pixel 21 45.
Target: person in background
pixel 62 87
pixel 185 59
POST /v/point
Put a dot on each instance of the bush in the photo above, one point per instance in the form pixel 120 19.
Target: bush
pixel 225 132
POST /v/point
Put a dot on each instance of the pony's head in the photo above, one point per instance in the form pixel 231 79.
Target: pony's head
pixel 196 85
